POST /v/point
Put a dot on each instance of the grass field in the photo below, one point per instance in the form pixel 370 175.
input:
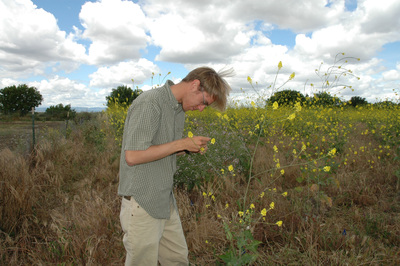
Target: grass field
pixel 305 186
pixel 19 134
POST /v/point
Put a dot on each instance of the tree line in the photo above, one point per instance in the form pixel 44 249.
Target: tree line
pixel 19 100
pixel 291 97
pixel 22 98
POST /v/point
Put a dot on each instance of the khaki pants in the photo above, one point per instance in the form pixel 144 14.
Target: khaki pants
pixel 148 240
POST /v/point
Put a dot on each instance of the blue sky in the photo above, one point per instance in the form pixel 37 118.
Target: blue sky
pixel 76 51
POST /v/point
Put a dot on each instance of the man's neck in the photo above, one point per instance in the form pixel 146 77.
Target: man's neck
pixel 179 90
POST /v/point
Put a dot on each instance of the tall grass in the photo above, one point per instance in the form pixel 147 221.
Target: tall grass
pixel 59 205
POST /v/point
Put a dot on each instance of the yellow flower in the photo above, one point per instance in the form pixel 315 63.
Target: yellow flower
pixel 303 147
pixel 264 212
pixel 282 172
pixel 292 116
pixel 213 197
pixel 327 168
pixel 202 149
pixel 262 194
pixel 190 134
pixel 332 152
pixel 292 76
pixel 204 194
pixel 253 104
pixel 249 79
pixel 272 205
pixel 298 107
pixel 226 206
pixel 284 194
pixel 275 105
pixel 212 141
pixel 240 213
pixel 230 168
pixel 279 223
pixel 222 171
pixel 280 65
pixel 252 206
pixel 294 151
pixel 275 148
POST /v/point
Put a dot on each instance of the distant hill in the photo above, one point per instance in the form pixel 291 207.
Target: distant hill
pixel 77 109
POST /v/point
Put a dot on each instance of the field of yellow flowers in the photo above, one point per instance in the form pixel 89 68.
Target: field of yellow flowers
pixel 310 181
pixel 278 185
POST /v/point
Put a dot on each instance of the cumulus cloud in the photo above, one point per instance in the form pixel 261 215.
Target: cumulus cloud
pixel 381 18
pixel 197 39
pixel 30 40
pixel 63 90
pixel 118 34
pixel 123 73
pixel 116 29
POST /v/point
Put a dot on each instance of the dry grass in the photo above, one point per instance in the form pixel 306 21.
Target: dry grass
pixel 59 205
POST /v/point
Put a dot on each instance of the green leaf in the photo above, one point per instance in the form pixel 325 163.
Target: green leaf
pixel 298 189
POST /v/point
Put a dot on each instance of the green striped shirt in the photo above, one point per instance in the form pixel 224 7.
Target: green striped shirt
pixel 155 117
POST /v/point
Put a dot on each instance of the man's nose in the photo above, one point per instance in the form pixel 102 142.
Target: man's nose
pixel 201 107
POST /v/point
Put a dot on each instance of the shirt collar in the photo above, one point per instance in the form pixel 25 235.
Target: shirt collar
pixel 171 98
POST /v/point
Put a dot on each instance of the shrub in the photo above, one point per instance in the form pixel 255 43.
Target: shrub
pixel 357 101
pixel 286 98
pixel 60 112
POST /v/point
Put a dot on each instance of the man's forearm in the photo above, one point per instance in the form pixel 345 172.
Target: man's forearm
pixel 153 153
pixel 157 152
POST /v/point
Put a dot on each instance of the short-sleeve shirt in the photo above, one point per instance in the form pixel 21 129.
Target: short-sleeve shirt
pixel 155 117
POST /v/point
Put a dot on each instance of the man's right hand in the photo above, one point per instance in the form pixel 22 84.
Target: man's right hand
pixel 196 144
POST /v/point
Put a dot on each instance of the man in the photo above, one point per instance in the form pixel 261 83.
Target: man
pixel 152 139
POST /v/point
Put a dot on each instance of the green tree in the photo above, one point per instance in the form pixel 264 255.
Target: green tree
pixel 20 99
pixel 60 112
pixel 325 99
pixel 357 100
pixel 286 97
pixel 123 95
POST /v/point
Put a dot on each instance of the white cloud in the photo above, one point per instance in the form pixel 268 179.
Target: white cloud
pixel 117 30
pixel 392 75
pixel 299 16
pixel 196 33
pixel 381 17
pixel 7 82
pixel 30 40
pixel 123 73
pixel 197 39
pixel 63 90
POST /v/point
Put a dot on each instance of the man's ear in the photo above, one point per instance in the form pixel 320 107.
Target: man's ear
pixel 195 84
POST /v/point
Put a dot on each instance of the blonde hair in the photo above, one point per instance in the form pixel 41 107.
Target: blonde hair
pixel 213 83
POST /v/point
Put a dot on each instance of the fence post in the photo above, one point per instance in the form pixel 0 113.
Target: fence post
pixel 33 128
pixel 66 125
